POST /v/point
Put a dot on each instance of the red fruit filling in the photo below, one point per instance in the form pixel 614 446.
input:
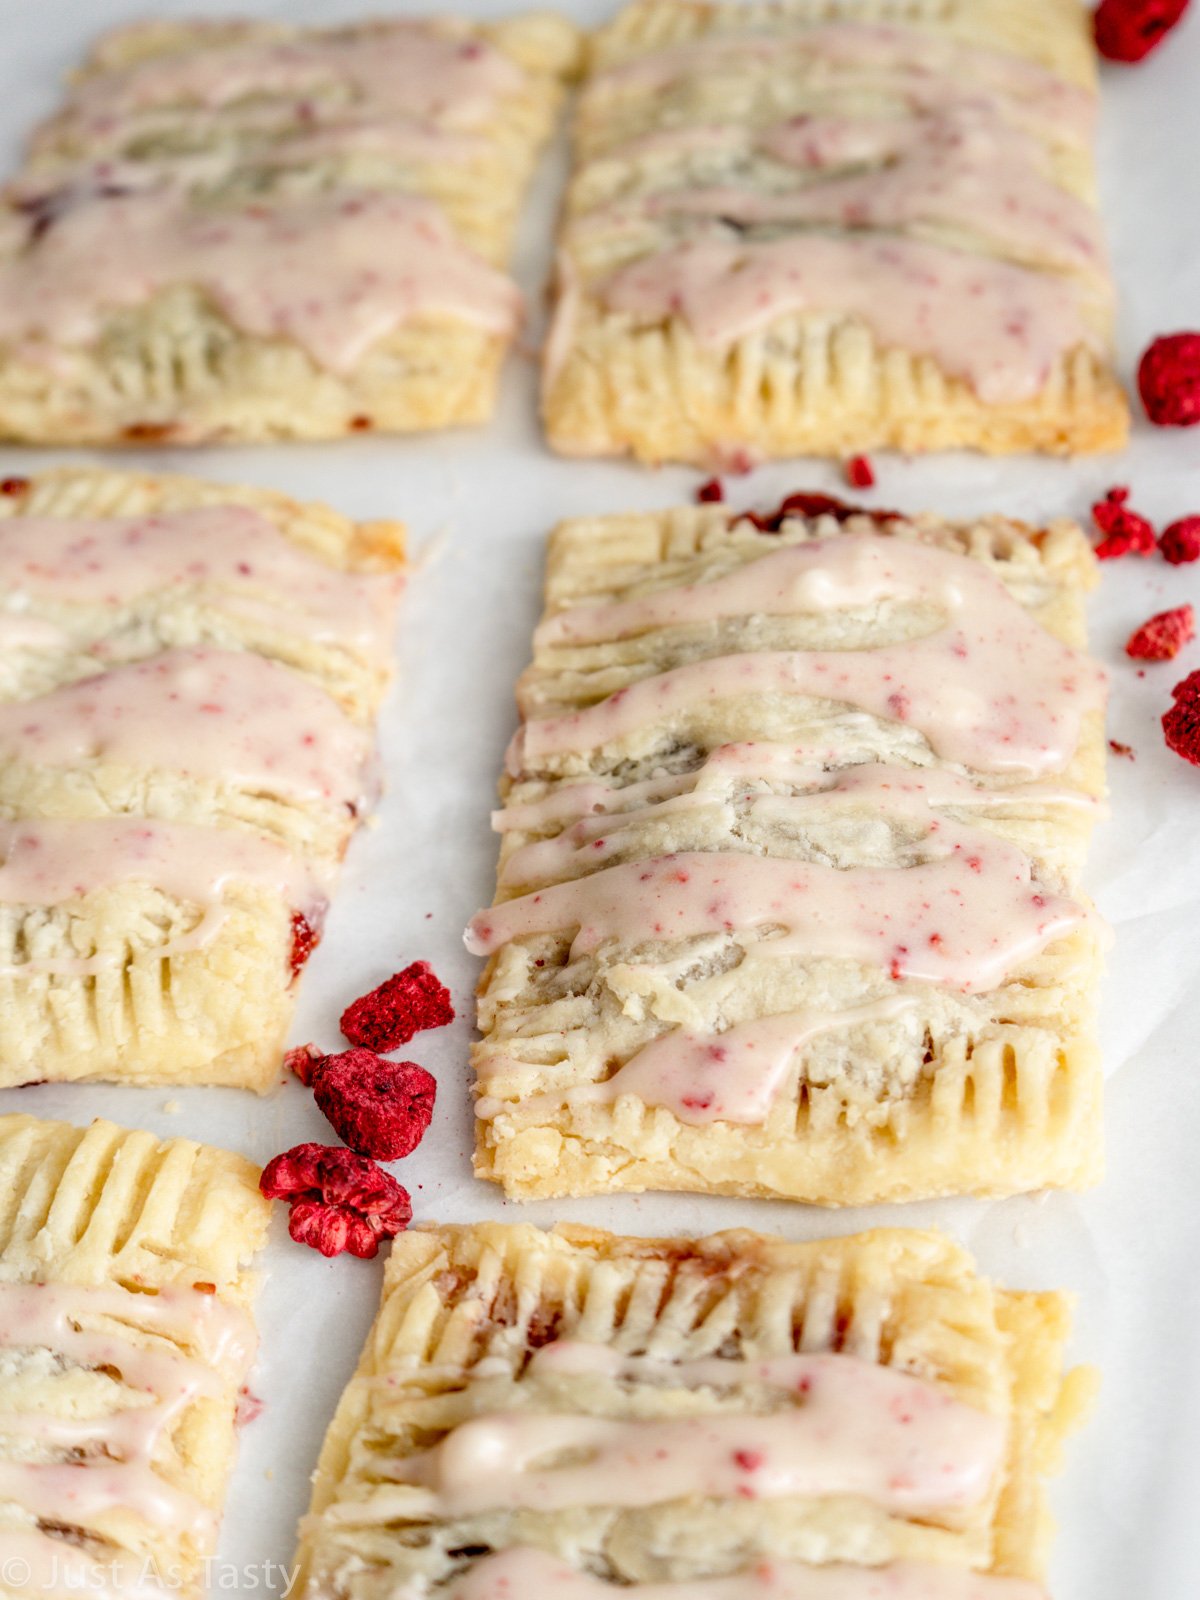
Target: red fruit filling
pixel 1168 380
pixel 1125 532
pixel 1127 30
pixel 803 504
pixel 404 1005
pixel 339 1201
pixel 1181 724
pixel 379 1108
pixel 710 492
pixel 1164 636
pixel 1181 541
pixel 305 939
pixel 860 474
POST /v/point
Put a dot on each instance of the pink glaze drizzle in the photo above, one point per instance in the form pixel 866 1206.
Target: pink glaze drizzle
pixel 52 860
pixel 901 61
pixel 111 1462
pixel 113 561
pixel 855 1428
pixel 221 715
pixel 957 171
pixel 964 921
pixel 998 326
pixel 446 75
pixel 991 688
pixel 525 1573
pixel 337 272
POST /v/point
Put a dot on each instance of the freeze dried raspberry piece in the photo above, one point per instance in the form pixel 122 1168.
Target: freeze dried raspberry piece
pixel 1181 541
pixel 1125 532
pixel 1181 724
pixel 338 1200
pixel 404 1005
pixel 303 1061
pixel 1127 30
pixel 1164 636
pixel 1168 380
pixel 711 492
pixel 379 1108
pixel 860 474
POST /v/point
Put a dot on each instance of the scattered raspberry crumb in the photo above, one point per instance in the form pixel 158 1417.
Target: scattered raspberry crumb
pixel 1119 749
pixel 249 1408
pixel 710 492
pixel 1168 380
pixel 305 939
pixel 1125 532
pixel 860 474
pixel 1164 636
pixel 303 1061
pixel 1181 541
pixel 339 1201
pixel 1127 30
pixel 404 1005
pixel 379 1108
pixel 14 486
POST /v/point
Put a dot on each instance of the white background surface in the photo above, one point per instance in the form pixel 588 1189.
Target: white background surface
pixel 1129 1500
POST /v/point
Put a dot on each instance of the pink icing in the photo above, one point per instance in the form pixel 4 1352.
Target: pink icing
pixel 446 75
pixel 337 272
pixel 111 1465
pixel 956 171
pixel 998 326
pixel 52 860
pixel 534 1574
pixel 221 715
pixel 113 561
pixel 892 59
pixel 856 1428
pixel 964 920
pixel 991 688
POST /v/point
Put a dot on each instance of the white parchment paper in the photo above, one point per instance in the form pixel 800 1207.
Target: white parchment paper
pixel 1129 1500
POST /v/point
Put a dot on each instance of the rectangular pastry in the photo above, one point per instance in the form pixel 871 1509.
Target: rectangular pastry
pixel 573 1415
pixel 788 895
pixel 127 1339
pixel 806 228
pixel 188 678
pixel 248 230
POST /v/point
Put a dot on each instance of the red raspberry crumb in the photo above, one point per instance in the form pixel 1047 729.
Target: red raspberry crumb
pixel 710 492
pixel 1125 532
pixel 1168 380
pixel 339 1200
pixel 14 486
pixel 305 939
pixel 1181 724
pixel 303 1061
pixel 860 474
pixel 379 1108
pixel 404 1005
pixel 1164 636
pixel 1127 30
pixel 1119 749
pixel 1181 541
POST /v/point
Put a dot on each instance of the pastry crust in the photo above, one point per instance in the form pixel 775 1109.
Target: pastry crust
pixel 929 1090
pixel 674 151
pixel 128 981
pixel 120 1230
pixel 176 367
pixel 464 1310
